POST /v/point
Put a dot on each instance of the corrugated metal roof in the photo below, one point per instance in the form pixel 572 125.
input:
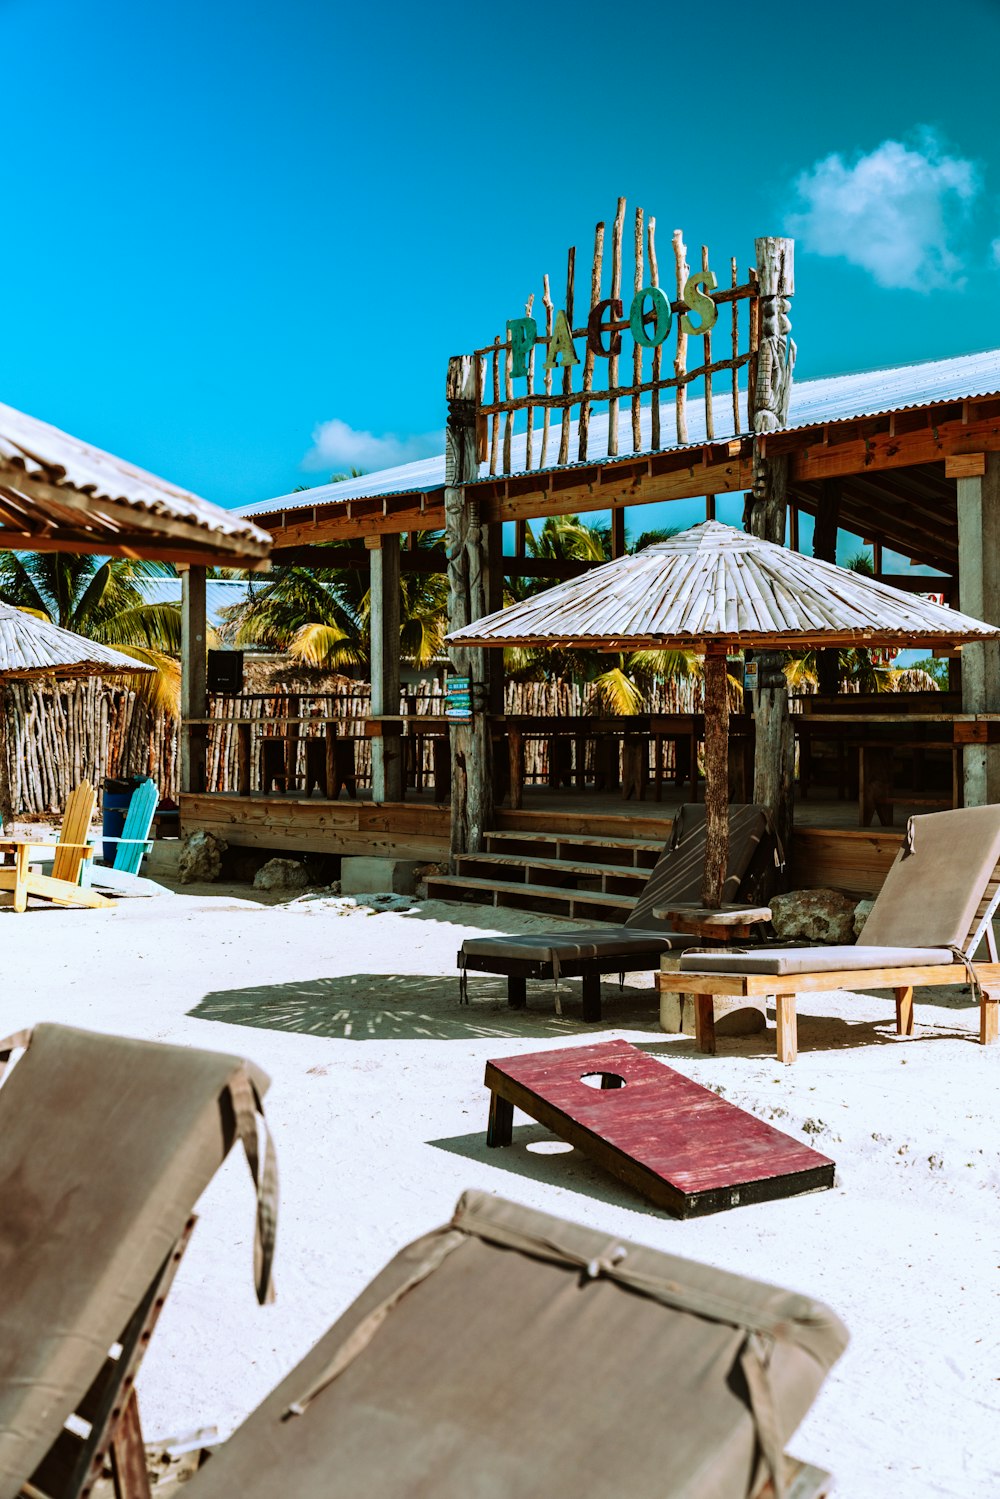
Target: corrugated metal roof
pixel 41 451
pixel 836 398
pixel 220 593
pixel 714 582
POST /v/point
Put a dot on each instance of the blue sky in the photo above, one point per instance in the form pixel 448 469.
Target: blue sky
pixel 243 239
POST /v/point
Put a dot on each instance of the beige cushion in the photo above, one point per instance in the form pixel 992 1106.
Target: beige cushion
pixel 107 1146
pixel 548 947
pixel 786 960
pixel 930 896
pixel 507 1372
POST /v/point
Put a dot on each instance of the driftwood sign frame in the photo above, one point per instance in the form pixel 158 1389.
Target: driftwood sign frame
pixel 659 322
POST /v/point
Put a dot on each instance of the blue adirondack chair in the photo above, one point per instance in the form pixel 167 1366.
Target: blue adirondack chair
pixel 135 840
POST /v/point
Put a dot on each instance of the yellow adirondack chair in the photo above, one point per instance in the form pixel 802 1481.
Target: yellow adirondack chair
pixel 62 886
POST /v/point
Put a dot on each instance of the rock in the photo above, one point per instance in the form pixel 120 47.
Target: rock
pixel 201 857
pixel 281 874
pixel 815 915
pixel 862 911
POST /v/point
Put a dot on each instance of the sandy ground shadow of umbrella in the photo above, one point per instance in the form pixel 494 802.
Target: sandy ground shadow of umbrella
pixel 713 589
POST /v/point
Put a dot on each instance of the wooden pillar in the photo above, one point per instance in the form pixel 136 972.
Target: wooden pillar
pixel 716 778
pixel 825 548
pixel 6 794
pixel 766 513
pixel 383 619
pixel 471 780
pixel 194 679
pixel 495 677
pixel 979 595
pixel 618 532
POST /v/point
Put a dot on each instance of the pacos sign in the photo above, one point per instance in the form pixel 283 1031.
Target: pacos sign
pixel 650 320
pixel 538 388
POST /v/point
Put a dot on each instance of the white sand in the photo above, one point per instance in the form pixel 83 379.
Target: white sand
pixel 379 1113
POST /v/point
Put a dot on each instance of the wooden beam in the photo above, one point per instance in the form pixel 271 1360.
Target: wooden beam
pixel 824 455
pixel 115 516
pixel 965 466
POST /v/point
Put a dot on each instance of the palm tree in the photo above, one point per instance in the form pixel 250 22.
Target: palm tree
pixel 623 686
pixel 102 601
pixel 321 614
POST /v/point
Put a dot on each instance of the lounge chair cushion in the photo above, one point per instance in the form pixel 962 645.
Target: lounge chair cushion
pixel 107 1146
pixel 931 893
pixel 501 1368
pixel 788 960
pixel 565 947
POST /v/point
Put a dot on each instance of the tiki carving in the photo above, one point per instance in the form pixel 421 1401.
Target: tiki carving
pixel 776 354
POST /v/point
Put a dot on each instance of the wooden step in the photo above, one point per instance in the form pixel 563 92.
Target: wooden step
pixel 592 825
pixel 639 852
pixel 593 905
pixel 613 878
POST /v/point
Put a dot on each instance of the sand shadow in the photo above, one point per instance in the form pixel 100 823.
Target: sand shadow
pixel 416 1007
pixel 818 1033
pixel 539 1155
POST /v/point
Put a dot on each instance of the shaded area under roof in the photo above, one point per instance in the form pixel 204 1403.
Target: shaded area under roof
pixel 838 398
pixel 58 493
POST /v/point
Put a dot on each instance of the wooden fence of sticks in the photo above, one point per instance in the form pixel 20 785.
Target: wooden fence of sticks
pixel 64 733
pixel 498 407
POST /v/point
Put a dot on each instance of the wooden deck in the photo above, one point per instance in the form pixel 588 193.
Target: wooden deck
pixel 828 849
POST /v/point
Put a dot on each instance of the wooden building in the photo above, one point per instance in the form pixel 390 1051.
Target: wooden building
pixel 667 391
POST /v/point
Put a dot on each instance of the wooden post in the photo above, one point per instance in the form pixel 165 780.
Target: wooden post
pixel 716 778
pixel 765 516
pixel 825 548
pixel 387 763
pixel 494 601
pixel 979 595
pixel 618 545
pixel 471 781
pixel 6 794
pixel 194 679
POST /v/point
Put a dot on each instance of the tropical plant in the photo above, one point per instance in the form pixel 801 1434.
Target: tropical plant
pixel 321 615
pixel 102 600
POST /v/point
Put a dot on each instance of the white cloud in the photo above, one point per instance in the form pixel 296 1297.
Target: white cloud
pixel 893 212
pixel 337 445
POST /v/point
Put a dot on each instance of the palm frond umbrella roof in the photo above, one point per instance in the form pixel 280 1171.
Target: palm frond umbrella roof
pixel 716 586
pixel 33 647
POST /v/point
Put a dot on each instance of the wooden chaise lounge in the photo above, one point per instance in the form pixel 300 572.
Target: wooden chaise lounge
pixel 638 945
pixel 107 1144
pixel 933 913
pixel 511 1353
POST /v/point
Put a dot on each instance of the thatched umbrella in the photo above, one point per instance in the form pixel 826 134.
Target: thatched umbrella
pixel 713 589
pixel 31 647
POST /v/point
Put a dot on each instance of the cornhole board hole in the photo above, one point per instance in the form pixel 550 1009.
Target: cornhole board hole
pixel 679 1144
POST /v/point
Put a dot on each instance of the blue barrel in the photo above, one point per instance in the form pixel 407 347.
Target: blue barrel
pixel 116 799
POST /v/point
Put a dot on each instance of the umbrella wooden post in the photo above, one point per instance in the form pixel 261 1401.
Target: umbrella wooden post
pixel 716 777
pixel 6 796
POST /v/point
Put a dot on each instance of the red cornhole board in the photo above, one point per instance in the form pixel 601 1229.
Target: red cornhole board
pixel 680 1144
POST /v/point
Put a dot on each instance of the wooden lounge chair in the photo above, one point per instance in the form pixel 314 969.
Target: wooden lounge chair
pixel 512 1353
pixel 135 841
pixel 933 912
pixel 638 945
pixel 107 1145
pixel 72 851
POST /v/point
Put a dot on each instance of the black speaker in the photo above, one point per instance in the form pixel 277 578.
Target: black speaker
pixel 225 671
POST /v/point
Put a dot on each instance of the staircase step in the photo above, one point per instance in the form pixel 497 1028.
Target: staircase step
pixel 590 904
pixel 610 875
pixel 640 851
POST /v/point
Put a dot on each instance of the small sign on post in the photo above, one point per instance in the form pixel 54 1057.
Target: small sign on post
pixel 749 676
pixel 458 699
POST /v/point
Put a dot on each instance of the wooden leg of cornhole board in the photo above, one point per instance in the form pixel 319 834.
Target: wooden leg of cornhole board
pixel 904 1012
pixel 517 991
pixel 989 1021
pixel 591 997
pixel 704 1023
pixel 500 1129
pixel 788 1047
